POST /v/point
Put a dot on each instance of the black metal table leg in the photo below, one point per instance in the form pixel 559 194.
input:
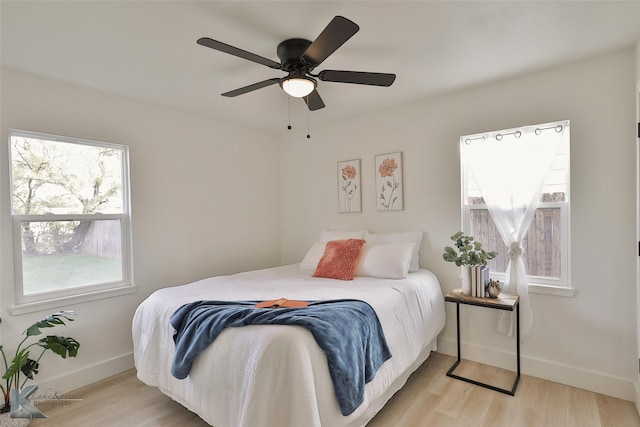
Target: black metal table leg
pixel 450 373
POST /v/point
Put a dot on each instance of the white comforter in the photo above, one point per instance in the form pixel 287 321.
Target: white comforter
pixel 277 375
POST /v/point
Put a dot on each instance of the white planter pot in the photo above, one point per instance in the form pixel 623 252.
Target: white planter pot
pixel 466 280
pixel 7 421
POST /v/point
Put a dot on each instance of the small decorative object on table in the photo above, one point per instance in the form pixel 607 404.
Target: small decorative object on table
pixel 494 288
pixel 473 258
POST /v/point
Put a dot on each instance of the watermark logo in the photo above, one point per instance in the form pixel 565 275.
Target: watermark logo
pixel 21 407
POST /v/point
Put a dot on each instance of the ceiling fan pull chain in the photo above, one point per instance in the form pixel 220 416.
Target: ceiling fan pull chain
pixel 308 133
pixel 289 108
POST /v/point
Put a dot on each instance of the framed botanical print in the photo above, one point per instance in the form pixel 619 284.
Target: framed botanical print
pixel 349 192
pixel 389 182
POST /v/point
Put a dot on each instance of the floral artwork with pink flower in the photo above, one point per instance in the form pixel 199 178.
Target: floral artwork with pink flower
pixel 348 184
pixel 349 172
pixel 389 182
pixel 387 168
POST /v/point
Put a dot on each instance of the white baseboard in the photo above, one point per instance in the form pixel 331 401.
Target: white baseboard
pixel 85 376
pixel 597 382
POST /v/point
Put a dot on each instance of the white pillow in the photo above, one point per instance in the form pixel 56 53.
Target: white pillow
pixel 311 259
pixel 386 260
pixel 411 236
pixel 329 235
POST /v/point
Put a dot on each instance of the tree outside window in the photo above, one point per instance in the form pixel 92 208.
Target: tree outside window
pixel 70 211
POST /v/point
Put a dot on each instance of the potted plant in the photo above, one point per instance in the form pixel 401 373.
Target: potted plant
pixel 467 253
pixel 23 366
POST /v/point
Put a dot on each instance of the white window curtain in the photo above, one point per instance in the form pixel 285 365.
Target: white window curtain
pixel 510 168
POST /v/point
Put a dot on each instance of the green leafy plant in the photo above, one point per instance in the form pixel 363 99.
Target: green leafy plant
pixel 467 252
pixel 22 367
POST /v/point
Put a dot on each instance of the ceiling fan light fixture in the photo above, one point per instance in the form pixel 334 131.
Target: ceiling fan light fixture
pixel 298 86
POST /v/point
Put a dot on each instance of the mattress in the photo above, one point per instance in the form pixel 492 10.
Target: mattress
pixel 276 375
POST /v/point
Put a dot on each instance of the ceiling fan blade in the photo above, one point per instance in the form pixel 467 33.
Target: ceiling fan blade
pixel 231 50
pixel 313 101
pixel 252 87
pixel 357 77
pixel 334 35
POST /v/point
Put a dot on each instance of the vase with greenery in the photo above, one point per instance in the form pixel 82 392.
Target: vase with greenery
pixel 467 253
pixel 23 367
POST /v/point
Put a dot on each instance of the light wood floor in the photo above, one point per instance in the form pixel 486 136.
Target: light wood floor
pixel 429 398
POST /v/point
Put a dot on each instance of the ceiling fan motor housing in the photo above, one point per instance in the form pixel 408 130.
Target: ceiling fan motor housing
pixel 290 52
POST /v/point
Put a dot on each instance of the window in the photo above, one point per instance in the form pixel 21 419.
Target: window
pixel 71 218
pixel 545 247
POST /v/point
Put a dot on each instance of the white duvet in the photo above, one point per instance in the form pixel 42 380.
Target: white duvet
pixel 276 375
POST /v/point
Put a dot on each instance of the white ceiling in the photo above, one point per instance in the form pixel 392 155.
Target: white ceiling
pixel 146 50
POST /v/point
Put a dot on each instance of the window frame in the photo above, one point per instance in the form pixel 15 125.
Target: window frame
pixel 537 284
pixel 56 298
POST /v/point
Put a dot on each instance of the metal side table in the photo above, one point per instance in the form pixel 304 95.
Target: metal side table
pixel 507 302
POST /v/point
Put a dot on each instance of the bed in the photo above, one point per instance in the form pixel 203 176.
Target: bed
pixel 277 375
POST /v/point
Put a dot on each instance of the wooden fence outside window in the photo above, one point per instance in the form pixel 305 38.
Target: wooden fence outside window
pixel 541 246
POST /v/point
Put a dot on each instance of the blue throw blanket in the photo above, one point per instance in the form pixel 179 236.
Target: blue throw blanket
pixel 348 331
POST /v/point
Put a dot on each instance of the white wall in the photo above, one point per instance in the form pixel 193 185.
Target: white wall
pixel 586 341
pixel 638 61
pixel 204 202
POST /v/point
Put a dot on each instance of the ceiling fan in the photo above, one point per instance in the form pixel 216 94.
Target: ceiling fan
pixel 298 57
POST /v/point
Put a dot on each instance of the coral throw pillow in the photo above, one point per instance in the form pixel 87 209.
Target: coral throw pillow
pixel 340 259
